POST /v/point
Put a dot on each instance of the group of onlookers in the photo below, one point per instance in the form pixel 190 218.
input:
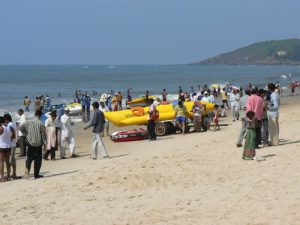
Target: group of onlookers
pixel 259 113
pixel 34 137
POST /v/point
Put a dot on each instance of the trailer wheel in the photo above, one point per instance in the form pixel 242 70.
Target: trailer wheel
pixel 161 129
pixel 171 128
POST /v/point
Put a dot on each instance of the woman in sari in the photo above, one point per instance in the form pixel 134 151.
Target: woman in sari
pixel 250 142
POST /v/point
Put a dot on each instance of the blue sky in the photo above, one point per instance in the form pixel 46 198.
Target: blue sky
pixel 138 31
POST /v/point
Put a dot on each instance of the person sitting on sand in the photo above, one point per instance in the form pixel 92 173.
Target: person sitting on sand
pixel 180 114
pixel 250 138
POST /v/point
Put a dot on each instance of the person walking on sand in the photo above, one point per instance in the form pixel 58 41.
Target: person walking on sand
pixel 67 136
pixel 97 123
pixel 273 115
pixel 22 139
pixel 35 133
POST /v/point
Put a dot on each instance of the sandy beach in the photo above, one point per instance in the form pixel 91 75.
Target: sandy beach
pixel 198 178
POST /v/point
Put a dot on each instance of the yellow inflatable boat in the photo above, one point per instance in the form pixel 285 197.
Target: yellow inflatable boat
pixel 139 101
pixel 139 115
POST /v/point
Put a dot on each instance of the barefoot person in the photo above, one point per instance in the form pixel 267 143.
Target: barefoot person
pixel 180 115
pixel 98 124
pixel 35 133
pixel 250 142
pixel 6 135
pixel 13 146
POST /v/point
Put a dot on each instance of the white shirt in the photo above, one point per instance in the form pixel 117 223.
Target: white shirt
pixel 65 126
pixel 104 109
pixel 21 121
pixel 205 99
pixel 13 125
pixel 5 137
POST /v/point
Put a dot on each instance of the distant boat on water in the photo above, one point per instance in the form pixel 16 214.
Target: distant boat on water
pixel 85 67
pixel 111 67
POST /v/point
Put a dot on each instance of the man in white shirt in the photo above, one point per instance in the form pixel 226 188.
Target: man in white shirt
pixel 104 109
pixel 22 139
pixel 205 98
pixel 67 136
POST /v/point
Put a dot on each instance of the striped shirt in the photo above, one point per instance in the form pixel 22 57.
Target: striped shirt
pixel 35 132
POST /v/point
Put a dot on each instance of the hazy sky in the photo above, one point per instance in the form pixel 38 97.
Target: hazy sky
pixel 138 31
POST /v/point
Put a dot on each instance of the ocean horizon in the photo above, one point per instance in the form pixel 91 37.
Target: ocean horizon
pixel 35 80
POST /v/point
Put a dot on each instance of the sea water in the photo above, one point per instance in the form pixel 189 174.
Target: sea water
pixel 32 81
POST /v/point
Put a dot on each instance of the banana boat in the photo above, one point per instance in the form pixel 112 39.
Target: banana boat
pixel 139 115
pixel 141 100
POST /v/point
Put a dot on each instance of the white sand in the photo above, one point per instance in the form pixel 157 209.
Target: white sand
pixel 197 178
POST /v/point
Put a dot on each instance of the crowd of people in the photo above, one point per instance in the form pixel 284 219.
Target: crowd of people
pixel 257 109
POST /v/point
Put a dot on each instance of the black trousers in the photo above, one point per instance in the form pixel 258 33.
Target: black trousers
pixel 34 154
pixel 258 134
pixel 51 152
pixel 151 129
pixel 22 141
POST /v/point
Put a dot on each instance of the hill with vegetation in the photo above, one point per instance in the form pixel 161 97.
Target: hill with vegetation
pixel 275 52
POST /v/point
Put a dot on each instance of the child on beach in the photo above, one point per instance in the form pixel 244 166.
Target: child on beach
pixel 250 142
pixel 223 111
pixel 216 117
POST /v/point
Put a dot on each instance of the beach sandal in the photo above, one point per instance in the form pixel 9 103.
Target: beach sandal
pixel 15 177
pixel 7 178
